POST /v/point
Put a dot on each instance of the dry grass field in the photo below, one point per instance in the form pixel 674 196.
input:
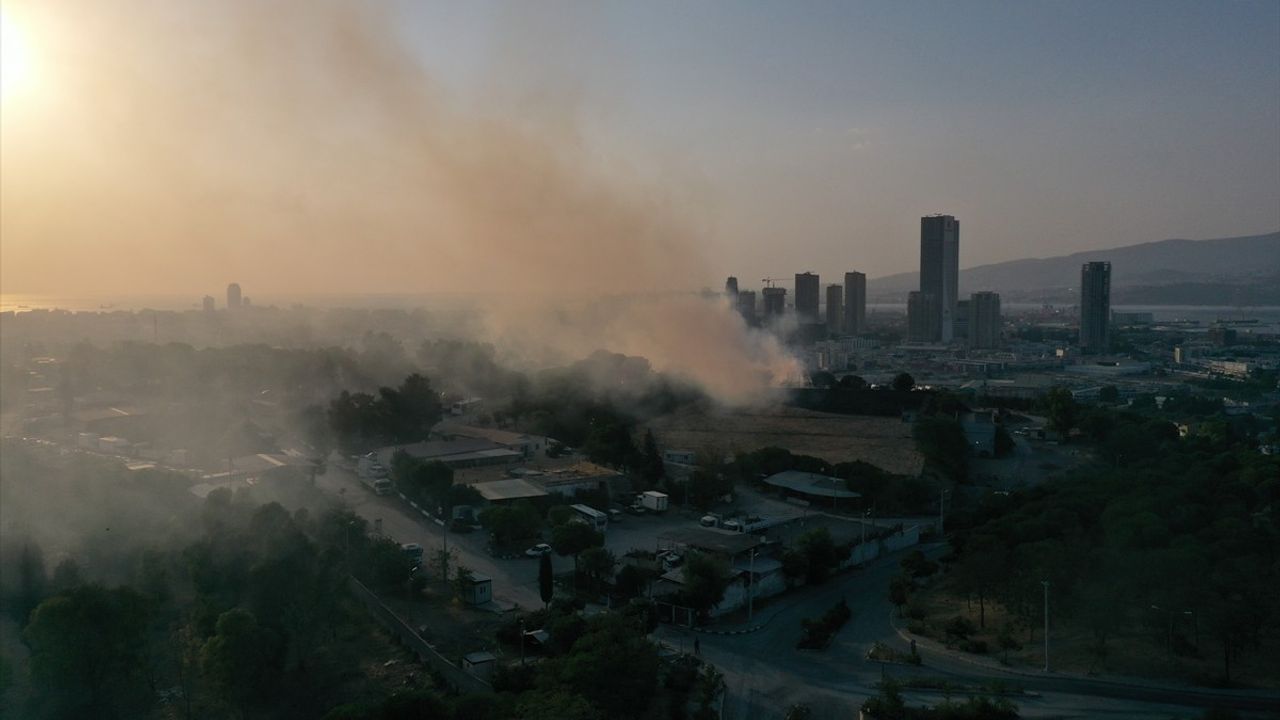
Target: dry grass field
pixel 883 442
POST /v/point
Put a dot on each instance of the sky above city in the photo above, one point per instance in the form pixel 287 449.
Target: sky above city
pixel 326 146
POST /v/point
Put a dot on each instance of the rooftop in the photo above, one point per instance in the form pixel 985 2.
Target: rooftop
pixel 712 540
pixel 811 484
pixel 512 489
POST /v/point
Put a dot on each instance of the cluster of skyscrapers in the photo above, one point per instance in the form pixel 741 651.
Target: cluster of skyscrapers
pixel 234 299
pixel 845 307
pixel 935 312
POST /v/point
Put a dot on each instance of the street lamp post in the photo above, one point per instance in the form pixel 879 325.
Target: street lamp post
pixel 751 587
pixel 942 503
pixel 1045 583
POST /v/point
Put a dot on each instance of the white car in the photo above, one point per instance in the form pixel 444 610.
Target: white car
pixel 538 550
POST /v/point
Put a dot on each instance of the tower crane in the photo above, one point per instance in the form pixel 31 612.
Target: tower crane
pixel 769 281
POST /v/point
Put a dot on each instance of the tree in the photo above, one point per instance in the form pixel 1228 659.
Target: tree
pixel 1060 408
pixel 631 581
pixel 822 379
pixel 614 666
pixel 241 657
pixel 574 537
pixel 902 382
pixel 546 580
pixel 463 579
pixel 1109 394
pixel 917 565
pixel 1003 442
pixel 899 592
pixel 597 566
pixel 31 580
pixel 88 652
pixel 821 556
pixel 651 468
pixel 384 564
pixel 853 382
pixel 513 523
pixel 1007 641
pixel 706 578
pixel 942 442
pixel 706 487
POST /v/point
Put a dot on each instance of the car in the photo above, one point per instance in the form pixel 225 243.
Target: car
pixel 709 521
pixel 538 550
pixel 615 515
pixel 733 525
pixel 635 509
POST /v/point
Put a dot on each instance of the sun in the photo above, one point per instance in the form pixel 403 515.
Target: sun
pixel 15 61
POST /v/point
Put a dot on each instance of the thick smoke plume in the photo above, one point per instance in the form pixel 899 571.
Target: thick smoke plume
pixel 299 147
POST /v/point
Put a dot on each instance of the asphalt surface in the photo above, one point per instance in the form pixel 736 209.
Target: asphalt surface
pixel 764 672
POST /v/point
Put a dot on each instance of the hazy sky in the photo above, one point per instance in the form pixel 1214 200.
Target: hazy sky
pixel 170 147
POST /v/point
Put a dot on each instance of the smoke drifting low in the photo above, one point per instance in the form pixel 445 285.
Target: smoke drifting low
pixel 298 146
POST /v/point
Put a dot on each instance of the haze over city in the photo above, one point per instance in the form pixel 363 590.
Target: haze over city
pixel 559 360
pixel 401 147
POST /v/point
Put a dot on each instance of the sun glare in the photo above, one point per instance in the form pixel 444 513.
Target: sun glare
pixel 15 64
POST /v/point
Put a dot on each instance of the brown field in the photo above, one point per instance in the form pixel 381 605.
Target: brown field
pixel 883 442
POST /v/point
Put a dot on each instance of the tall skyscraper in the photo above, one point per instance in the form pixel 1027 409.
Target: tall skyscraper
pixel 922 317
pixel 1095 308
pixel 807 298
pixel 835 309
pixel 984 320
pixel 960 323
pixel 855 303
pixel 233 296
pixel 775 303
pixel 207 303
pixel 731 287
pixel 940 267
pixel 747 306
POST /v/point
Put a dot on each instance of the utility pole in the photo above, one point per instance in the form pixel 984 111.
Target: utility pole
pixel 942 504
pixel 1045 583
pixel 751 588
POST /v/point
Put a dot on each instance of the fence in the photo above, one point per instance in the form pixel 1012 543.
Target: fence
pixel 461 680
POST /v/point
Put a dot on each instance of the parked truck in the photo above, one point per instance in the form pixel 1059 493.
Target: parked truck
pixel 654 501
pixel 373 475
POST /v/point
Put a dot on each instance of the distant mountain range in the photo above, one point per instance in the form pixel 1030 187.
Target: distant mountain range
pixel 1225 271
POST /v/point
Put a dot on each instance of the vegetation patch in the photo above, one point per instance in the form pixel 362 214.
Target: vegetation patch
pixel 818 633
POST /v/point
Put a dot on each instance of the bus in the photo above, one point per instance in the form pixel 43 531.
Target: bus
pixel 591 516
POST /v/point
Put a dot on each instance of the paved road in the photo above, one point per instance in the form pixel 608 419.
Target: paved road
pixel 514 581
pixel 766 674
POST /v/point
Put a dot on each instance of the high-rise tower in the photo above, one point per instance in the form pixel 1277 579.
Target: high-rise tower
pixel 775 303
pixel 1095 308
pixel 940 268
pixel 233 296
pixel 922 317
pixel 807 298
pixel 855 303
pixel 984 320
pixel 835 309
